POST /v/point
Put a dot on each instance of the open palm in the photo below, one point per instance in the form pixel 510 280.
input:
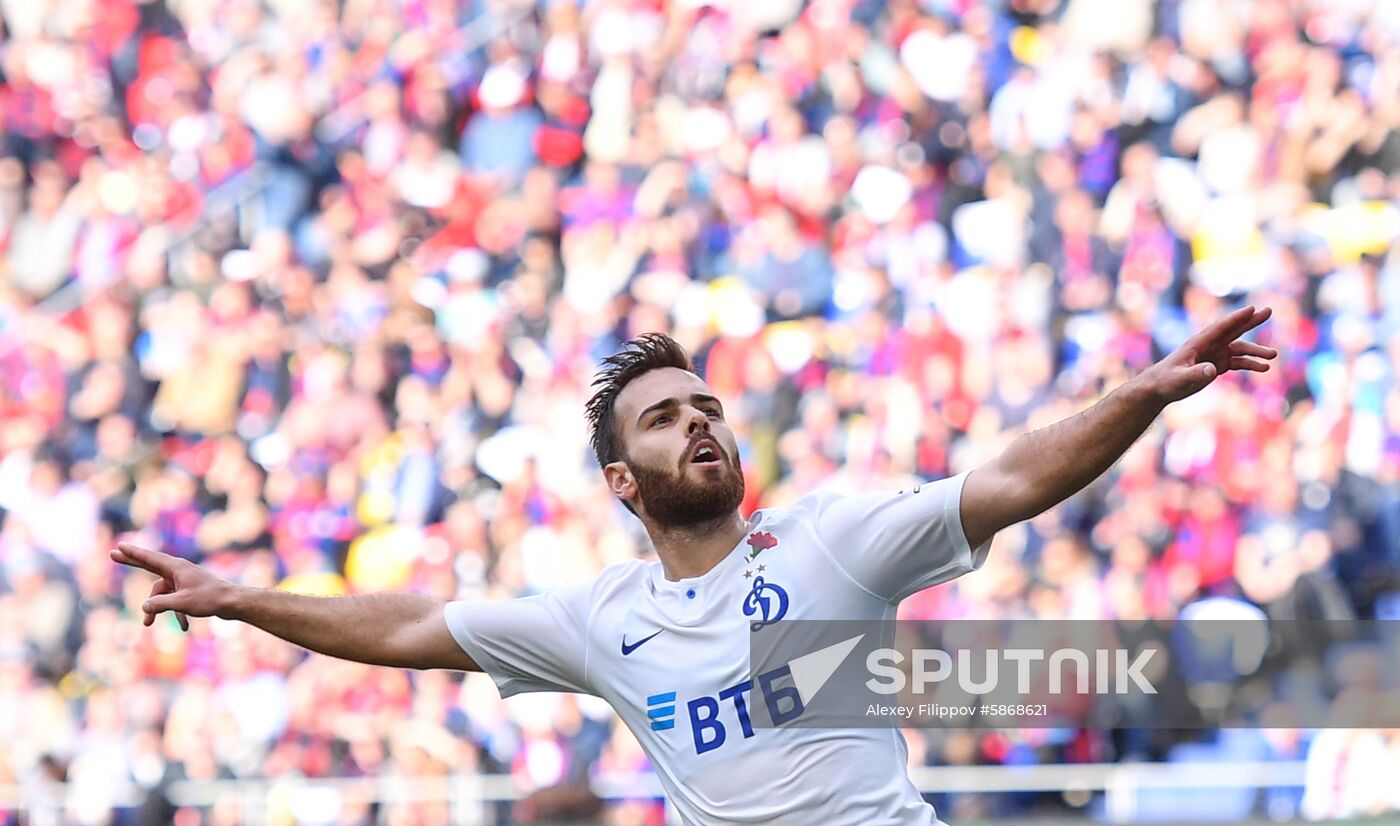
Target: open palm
pixel 1210 353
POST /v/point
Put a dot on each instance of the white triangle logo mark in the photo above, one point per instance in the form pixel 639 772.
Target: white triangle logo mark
pixel 811 671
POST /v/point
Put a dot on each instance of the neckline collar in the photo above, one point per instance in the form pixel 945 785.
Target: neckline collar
pixel 659 582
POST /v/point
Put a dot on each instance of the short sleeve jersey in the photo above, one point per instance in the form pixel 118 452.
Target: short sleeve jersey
pixel 672 657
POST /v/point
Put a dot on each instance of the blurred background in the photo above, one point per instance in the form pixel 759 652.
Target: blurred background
pixel 311 293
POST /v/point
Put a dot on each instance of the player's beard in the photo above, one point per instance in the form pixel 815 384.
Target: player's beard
pixel 677 497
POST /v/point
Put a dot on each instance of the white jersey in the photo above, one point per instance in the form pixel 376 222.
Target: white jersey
pixel 673 657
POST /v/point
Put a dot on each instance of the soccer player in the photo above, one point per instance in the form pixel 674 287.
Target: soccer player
pixel 667 643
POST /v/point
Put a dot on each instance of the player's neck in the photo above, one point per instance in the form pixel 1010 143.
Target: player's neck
pixel 689 551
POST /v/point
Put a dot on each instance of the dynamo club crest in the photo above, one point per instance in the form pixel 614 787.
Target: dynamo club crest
pixel 767 602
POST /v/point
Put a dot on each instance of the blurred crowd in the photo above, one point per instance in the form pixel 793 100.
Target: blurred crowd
pixel 312 293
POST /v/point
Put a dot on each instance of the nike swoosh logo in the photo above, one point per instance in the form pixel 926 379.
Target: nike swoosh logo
pixel 628 649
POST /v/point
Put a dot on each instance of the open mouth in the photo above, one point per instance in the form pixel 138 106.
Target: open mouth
pixel 706 453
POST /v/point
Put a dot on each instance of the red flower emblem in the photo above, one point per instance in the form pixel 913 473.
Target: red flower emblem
pixel 761 541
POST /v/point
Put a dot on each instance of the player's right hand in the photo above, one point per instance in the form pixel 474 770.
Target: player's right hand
pixel 182 587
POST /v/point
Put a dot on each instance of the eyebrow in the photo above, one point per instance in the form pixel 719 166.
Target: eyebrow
pixel 696 399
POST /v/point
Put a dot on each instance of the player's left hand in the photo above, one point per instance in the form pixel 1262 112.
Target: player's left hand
pixel 1208 354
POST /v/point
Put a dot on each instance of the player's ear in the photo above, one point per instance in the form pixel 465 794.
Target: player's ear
pixel 620 481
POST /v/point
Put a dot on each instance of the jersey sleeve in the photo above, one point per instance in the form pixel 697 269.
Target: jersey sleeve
pixel 897 543
pixel 537 643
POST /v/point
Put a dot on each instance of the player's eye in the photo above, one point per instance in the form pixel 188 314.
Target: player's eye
pixel 660 420
pixel 714 413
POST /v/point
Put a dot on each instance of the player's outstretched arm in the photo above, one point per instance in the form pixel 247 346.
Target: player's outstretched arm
pixel 1047 466
pixel 401 630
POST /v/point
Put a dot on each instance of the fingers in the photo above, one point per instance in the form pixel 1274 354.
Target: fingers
pixel 158 563
pixel 1260 316
pixel 1251 364
pixel 1221 329
pixel 1242 321
pixel 163 566
pixel 161 586
pixel 1249 348
pixel 164 602
pixel 1230 327
pixel 1199 376
pixel 1194 379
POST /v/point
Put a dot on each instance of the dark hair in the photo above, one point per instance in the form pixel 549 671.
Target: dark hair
pixel 642 354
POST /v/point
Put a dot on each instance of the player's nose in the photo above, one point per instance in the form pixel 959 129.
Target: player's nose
pixel 696 421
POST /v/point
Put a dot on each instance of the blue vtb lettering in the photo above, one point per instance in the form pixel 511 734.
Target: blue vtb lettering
pixel 741 708
pixel 774 696
pixel 700 726
pixel 783 702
